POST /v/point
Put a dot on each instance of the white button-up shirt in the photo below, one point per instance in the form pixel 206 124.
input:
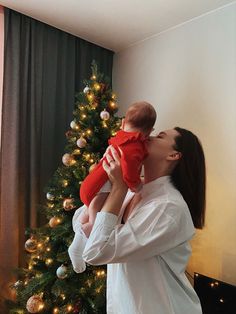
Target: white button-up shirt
pixel 147 255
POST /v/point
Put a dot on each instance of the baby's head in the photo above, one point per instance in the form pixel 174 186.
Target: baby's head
pixel 140 117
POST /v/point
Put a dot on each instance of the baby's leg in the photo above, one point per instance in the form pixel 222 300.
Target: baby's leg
pixel 94 207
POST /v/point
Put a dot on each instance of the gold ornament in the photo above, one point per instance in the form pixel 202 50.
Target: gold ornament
pixel 31 245
pixel 112 104
pixel 54 221
pixel 96 86
pixel 76 151
pixel 68 204
pixel 68 160
pixel 34 304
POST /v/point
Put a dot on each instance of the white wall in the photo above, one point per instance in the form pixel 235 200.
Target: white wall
pixel 189 74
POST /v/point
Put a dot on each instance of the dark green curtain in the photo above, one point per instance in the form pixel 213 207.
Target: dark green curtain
pixel 43 69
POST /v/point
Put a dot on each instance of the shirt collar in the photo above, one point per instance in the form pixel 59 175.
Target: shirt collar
pixel 152 186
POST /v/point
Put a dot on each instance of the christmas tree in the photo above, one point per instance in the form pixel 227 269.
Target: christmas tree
pixel 48 284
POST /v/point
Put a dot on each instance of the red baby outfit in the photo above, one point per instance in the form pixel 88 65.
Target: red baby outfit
pixel 134 151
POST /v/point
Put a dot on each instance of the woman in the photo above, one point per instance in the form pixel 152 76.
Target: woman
pixel 144 238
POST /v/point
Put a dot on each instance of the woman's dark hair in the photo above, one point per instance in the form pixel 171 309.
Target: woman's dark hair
pixel 189 175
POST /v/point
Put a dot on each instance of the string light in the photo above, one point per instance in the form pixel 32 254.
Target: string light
pixel 64 183
pixel 30 267
pixel 48 249
pixel 91 161
pixel 49 261
pixel 93 77
pixel 96 86
pixel 39 245
pixel 90 97
pixel 41 306
pixel 112 104
pixel 113 133
pixel 76 151
pixel 55 310
pixel 25 282
pixel 221 300
pixel 63 296
pixel 50 205
pixel 69 308
pixel 83 116
pixel 88 132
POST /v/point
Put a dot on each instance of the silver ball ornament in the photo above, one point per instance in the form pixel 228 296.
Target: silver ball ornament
pixel 105 115
pixel 31 245
pixel 62 272
pixel 86 89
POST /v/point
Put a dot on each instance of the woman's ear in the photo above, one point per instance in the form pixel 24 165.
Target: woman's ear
pixel 174 156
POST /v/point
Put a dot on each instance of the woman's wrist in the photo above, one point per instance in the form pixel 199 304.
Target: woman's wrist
pixel 115 199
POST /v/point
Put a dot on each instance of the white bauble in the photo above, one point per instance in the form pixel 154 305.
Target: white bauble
pixel 62 272
pixel 74 125
pixel 81 142
pixel 34 304
pixel 105 115
pixel 86 89
pixel 50 196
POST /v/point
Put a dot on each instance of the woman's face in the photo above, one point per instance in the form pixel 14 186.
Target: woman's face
pixel 162 145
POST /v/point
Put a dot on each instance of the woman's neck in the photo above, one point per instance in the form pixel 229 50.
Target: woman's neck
pixel 153 173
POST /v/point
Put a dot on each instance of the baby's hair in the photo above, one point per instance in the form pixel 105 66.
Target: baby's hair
pixel 141 115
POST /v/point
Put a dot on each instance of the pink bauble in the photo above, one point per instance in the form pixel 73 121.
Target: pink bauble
pixel 81 142
pixel 34 304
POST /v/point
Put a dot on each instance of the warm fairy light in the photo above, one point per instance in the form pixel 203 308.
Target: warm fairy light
pixel 39 245
pixel 63 296
pixel 83 134
pixel 112 104
pixel 81 107
pixel 41 306
pixel 76 151
pixel 100 273
pixel 216 283
pixel 96 86
pixel 113 96
pixel 98 290
pixel 47 238
pixel 65 183
pixel 93 77
pixel 55 310
pixel 49 261
pixel 58 220
pixel 30 267
pixel 48 249
pixel 113 133
pixel 83 116
pixel 221 300
pixel 212 284
pixel 69 308
pixel 90 97
pixel 38 257
pixel 25 282
pixel 88 132
pixel 50 205
pixel 196 275
pixel 91 161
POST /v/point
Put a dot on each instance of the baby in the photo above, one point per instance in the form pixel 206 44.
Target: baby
pixel 135 129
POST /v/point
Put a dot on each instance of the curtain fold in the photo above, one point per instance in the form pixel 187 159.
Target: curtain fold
pixel 43 69
pixel 1 60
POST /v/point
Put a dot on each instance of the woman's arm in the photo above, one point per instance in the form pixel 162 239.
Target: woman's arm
pixel 148 233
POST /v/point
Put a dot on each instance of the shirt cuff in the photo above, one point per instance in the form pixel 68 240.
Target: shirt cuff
pixel 105 218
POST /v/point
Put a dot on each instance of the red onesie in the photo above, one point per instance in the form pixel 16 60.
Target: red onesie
pixel 134 151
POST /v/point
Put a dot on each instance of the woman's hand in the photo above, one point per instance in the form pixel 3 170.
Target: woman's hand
pixel 113 168
pixel 119 189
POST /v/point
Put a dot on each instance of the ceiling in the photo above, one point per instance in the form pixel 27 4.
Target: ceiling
pixel 114 24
